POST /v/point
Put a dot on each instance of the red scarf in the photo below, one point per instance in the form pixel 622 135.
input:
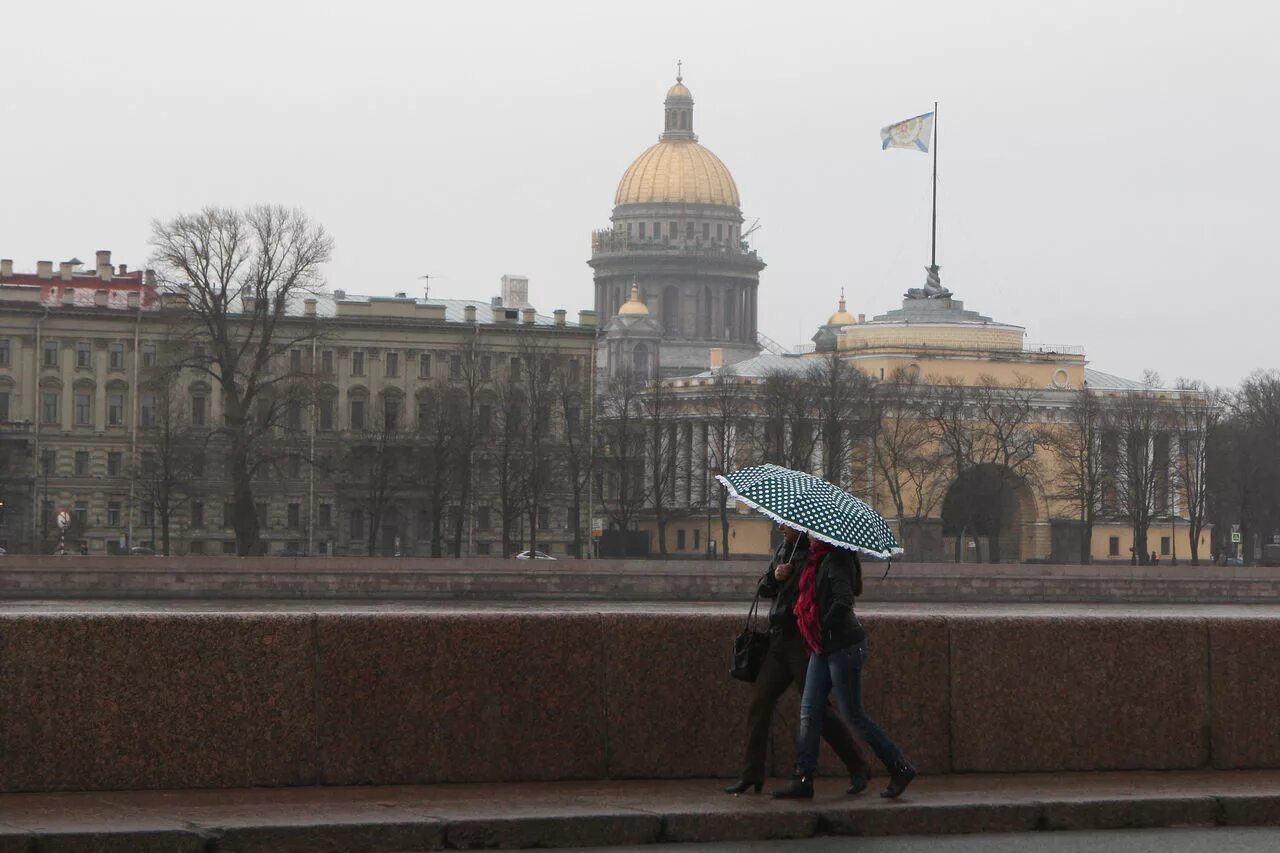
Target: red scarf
pixel 806 608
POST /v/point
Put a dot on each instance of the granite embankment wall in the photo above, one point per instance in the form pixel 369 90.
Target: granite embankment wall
pixel 638 580
pixel 161 699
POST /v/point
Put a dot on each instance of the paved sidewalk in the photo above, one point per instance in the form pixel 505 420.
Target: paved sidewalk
pixel 582 814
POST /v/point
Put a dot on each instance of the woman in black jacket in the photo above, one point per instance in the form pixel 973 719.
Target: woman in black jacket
pixel 785 664
pixel 824 614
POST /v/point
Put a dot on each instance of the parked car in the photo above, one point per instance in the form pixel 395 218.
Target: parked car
pixel 141 551
pixel 532 555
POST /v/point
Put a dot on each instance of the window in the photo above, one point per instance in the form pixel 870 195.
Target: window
pixel 82 463
pixel 392 364
pixel 326 413
pixel 49 407
pixel 1164 546
pixel 84 354
pixel 673 229
pixel 1113 546
pixel 486 367
pixel 357 414
pixel 147 410
pixel 148 463
pixel 706 231
pixel 515 366
pixel 326 362
pixel 424 414
pixel 197 464
pixel 229 547
pixel 424 365
pixel 46 513
pixel 390 414
pixel 228 515
pixel 455 367
pixel 197 515
pixel 293 416
pixel 719 230
pixel 295 516
pixel 571 416
pixel 80 512
pixel 198 404
pixel 196 548
pixel 115 409
pixel 326 515
pixel 295 361
pixel 484 419
pixel 116 356
pixel 113 514
pixel 688 230
pixel 264 514
pixel 50 353
pixel 4 352
pixel 484 549
pixel 84 409
pixel 657 230
pixel 640 230
pixel 264 412
pixel 357 524
pixel 114 459
pixel 4 406
pixel 148 355
pixel 482 518
pixel 680 539
pixel 293 467
pixel 197 352
pixel 48 462
pixel 357 363
pixel 697 539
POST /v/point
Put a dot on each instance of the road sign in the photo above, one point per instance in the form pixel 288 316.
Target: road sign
pixel 1235 536
pixel 64 519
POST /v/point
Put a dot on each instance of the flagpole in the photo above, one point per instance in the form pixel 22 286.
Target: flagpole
pixel 933 242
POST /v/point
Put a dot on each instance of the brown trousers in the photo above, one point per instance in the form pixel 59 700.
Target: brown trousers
pixel 784 665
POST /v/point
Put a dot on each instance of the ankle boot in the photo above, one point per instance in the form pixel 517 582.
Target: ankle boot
pixel 799 788
pixel 742 786
pixel 857 782
pixel 900 775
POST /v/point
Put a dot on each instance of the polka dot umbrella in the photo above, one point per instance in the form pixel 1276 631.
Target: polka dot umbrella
pixel 811 504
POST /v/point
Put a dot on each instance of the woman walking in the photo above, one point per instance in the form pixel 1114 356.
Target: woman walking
pixel 786 663
pixel 824 615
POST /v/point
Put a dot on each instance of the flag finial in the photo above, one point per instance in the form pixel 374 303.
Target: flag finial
pixel 679 70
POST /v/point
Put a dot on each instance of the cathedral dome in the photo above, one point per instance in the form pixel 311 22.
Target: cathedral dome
pixel 677 171
pixel 841 317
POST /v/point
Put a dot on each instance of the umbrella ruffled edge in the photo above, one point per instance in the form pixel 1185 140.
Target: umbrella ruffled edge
pixel 733 493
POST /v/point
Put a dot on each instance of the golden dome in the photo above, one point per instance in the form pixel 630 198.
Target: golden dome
pixel 679 90
pixel 841 317
pixel 633 306
pixel 679 171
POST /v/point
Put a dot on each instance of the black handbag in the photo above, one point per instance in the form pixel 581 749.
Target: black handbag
pixel 750 647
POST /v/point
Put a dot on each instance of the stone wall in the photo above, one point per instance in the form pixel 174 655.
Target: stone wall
pixel 113 700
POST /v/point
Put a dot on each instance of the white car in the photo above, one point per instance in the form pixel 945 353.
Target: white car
pixel 532 555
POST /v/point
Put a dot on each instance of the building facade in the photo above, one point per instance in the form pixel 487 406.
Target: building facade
pixel 676 238
pixel 94 421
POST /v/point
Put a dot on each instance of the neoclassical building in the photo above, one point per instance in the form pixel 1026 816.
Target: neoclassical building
pixel 676 239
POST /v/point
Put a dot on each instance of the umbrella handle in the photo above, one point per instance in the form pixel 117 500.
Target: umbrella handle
pixel 888 566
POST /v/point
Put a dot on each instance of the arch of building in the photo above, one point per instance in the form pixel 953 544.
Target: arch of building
pixel 991 514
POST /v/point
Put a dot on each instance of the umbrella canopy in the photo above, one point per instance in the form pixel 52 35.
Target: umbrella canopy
pixel 813 505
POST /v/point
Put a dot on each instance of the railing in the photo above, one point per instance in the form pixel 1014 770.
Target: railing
pixel 609 243
pixel 1057 349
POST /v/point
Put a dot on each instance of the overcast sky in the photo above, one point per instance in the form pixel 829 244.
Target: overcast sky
pixel 1108 170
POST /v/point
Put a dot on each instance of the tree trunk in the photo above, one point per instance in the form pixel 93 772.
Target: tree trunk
pixel 724 530
pixel 244 515
pixel 662 536
pixel 1193 542
pixel 164 527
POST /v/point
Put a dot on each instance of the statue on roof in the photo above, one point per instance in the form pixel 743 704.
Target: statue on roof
pixel 932 289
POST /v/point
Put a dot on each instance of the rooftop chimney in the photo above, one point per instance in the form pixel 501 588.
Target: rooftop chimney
pixel 150 277
pixel 401 295
pixel 124 269
pixel 527 316
pixel 339 295
pixel 717 358
pixel 249 302
pixel 469 312
pixel 309 306
pixel 862 318
pixel 44 269
pixel 587 319
pixel 6 267
pixel 66 269
pixel 559 315
pixel 104 264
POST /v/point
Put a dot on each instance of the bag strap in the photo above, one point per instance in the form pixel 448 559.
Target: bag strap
pixel 755 602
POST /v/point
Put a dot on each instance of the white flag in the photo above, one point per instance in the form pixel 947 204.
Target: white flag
pixel 912 133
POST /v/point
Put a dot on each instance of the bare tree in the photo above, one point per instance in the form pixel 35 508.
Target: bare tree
pixel 572 396
pixel 1195 417
pixel 1075 443
pixel 169 446
pixel 436 458
pixel 466 375
pixel 1139 420
pixel 238 274
pixel 620 435
pixel 661 451
pixel 511 455
pixel 904 452
pixel 725 410
pixel 840 397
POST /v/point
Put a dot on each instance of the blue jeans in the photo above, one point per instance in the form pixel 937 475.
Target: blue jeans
pixel 841 670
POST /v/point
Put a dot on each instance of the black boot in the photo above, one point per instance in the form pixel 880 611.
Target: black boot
pixel 742 786
pixel 857 782
pixel 799 788
pixel 900 776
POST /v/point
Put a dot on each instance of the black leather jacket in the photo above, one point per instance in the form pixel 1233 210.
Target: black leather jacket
pixel 839 582
pixel 781 614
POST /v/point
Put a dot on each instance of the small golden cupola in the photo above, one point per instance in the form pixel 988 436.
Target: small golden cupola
pixel 841 317
pixel 634 307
